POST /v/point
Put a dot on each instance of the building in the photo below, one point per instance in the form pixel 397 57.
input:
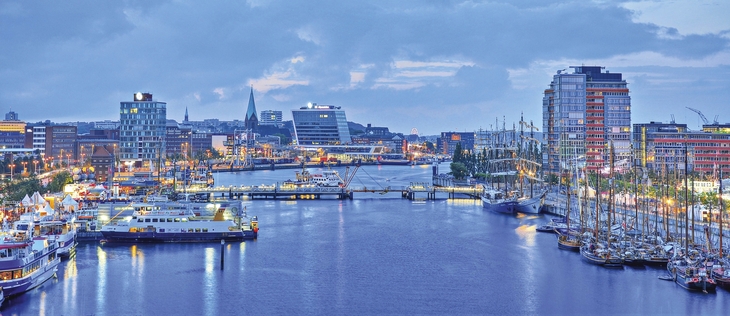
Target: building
pixel 61 143
pixel 666 147
pixel 584 112
pixel 316 125
pixel 448 140
pixel 142 124
pixel 251 122
pixel 271 117
pixel 13 132
pixel 178 139
pixel 102 160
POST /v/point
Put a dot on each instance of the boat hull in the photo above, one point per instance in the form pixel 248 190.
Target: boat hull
pixel 615 263
pixel 693 281
pixel 159 237
pixel 507 207
pixel 531 205
pixel 18 286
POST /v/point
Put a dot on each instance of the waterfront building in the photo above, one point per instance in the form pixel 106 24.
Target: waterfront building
pixel 251 122
pixel 448 140
pixel 12 132
pixel 142 123
pixel 61 142
pixel 271 117
pixel 316 125
pixel 178 139
pixel 106 124
pixel 665 146
pixel 102 160
pixel 583 113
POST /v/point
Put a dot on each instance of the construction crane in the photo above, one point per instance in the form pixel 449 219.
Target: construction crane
pixel 702 116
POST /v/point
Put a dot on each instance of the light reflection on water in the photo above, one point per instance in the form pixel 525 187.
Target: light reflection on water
pixel 101 277
pixel 367 256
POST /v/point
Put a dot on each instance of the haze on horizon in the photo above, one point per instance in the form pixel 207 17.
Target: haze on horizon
pixel 433 65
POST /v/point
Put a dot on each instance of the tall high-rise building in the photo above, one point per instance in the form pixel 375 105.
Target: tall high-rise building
pixel 142 130
pixel 251 122
pixel 584 113
pixel 320 125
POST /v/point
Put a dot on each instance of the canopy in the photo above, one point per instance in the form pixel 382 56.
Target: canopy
pixel 69 202
pixel 26 200
pixel 49 210
pixel 37 198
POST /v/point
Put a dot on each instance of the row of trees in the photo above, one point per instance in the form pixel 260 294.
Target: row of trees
pixel 16 190
pixel 465 163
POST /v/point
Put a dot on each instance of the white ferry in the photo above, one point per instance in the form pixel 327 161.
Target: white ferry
pixel 328 178
pixel 25 261
pixel 175 222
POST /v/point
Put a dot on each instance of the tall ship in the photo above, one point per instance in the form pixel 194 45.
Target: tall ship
pixel 26 261
pixel 176 222
pixel 515 172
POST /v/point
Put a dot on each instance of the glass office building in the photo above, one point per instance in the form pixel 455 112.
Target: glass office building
pixel 320 125
pixel 142 130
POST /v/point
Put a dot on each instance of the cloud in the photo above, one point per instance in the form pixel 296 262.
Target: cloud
pixel 427 64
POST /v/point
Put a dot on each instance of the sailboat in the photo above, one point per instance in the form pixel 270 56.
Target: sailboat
pixel 598 251
pixel 568 239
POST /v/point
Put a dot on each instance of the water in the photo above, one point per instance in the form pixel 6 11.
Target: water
pixel 371 255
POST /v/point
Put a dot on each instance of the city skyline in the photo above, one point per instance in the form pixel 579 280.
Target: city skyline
pixel 439 66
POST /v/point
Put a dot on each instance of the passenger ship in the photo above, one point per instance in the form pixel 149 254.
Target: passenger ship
pixel 175 222
pixel 25 261
pixel 61 231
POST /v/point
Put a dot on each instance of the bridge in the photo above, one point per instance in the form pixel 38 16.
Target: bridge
pixel 414 191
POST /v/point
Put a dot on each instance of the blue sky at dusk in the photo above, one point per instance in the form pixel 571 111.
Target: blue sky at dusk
pixel 431 65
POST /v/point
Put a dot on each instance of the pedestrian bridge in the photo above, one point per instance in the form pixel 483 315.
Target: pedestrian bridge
pixel 306 192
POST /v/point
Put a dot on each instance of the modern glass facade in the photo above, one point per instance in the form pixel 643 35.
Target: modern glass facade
pixel 142 130
pixel 320 125
pixel 583 113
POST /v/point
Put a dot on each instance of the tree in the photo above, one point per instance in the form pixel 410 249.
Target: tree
pixel 59 181
pixel 458 170
pixel 458 155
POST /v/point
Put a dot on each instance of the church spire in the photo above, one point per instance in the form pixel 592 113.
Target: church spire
pixel 186 115
pixel 251 122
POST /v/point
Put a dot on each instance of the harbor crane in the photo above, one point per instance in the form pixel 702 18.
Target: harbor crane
pixel 702 116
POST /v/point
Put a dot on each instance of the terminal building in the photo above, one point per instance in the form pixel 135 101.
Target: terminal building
pixel 317 125
pixel 142 123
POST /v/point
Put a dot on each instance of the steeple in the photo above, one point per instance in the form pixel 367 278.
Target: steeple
pixel 186 115
pixel 251 122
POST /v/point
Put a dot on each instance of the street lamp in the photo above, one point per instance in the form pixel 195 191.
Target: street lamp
pixel 25 169
pixel 68 161
pixel 35 166
pixel 12 169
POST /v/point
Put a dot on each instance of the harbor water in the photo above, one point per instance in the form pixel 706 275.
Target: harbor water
pixel 376 254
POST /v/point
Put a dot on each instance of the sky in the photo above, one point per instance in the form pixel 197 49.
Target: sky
pixel 429 65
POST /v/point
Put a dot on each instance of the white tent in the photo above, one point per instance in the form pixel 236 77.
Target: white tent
pixel 27 201
pixel 69 203
pixel 49 210
pixel 37 198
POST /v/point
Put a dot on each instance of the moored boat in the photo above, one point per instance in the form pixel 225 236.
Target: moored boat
pixel 25 261
pixel 60 231
pixel 595 254
pixel 167 222
pixel 691 275
pixel 497 201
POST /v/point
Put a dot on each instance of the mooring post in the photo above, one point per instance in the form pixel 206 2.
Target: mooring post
pixel 223 254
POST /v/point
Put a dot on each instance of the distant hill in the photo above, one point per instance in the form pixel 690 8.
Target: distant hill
pixel 355 127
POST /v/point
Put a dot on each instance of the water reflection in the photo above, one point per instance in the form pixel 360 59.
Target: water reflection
pixel 210 288
pixel 42 303
pixel 70 278
pixel 101 278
